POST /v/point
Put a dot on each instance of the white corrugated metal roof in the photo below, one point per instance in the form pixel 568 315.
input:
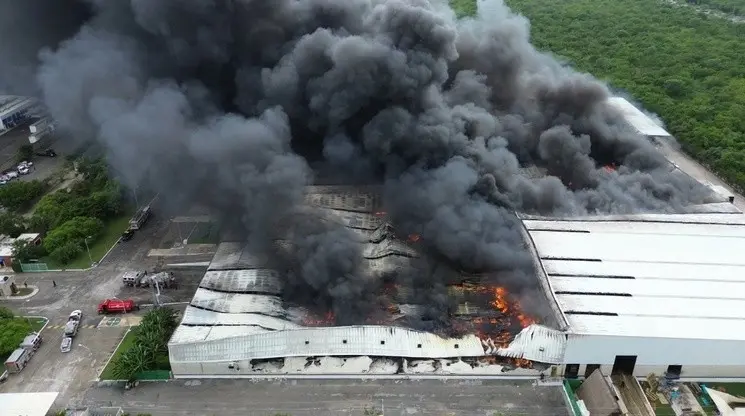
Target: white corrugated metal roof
pixel 606 274
pixel 537 343
pixel 655 327
pixel 196 316
pixel 237 302
pixel 191 334
pixel 637 119
pixel 383 341
pixel 702 218
pixel 664 306
pixel 252 280
pixel 648 287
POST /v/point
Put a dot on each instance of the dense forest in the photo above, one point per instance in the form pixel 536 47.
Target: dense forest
pixel 682 65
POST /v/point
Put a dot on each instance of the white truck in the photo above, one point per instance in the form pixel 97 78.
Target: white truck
pixel 134 278
pixel 73 323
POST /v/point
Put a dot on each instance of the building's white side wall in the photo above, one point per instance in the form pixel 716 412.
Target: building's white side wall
pixel 696 372
pixel 699 358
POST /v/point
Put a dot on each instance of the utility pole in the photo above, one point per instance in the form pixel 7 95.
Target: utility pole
pixel 156 291
pixel 88 249
pixel 134 192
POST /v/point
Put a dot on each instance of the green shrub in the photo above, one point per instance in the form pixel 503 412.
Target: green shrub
pixel 75 231
pixel 67 252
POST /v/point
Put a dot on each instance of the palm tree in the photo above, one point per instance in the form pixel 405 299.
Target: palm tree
pixel 136 359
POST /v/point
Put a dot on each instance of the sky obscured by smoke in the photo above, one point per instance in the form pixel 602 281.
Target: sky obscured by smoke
pixel 235 103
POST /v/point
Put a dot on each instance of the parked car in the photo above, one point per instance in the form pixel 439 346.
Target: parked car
pixel 47 153
pixel 66 344
pixel 23 170
pixel 12 174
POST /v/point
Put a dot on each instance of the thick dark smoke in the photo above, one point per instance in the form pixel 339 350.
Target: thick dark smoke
pixel 230 102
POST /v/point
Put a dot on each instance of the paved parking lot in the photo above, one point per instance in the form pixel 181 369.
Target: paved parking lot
pixel 43 166
pixel 72 373
pixel 334 397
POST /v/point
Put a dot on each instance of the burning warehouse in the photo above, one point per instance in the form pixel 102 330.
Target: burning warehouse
pixel 243 319
pixel 637 293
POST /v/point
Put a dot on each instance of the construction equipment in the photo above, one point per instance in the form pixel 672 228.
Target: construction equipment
pixel 163 279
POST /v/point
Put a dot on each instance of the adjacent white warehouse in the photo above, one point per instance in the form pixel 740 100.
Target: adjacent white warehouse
pixel 647 293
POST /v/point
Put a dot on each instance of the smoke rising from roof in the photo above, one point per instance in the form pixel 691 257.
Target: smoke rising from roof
pixel 230 103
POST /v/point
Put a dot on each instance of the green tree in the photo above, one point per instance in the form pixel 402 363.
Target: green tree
pixel 25 153
pixel 12 224
pixel 19 194
pixel 74 231
pixel 679 63
pixel 6 313
pixel 23 251
pixel 12 331
pixel 67 252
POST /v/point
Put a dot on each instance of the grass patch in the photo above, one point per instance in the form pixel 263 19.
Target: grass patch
pixel 23 291
pixel 464 8
pixel 112 230
pixel 37 323
pixel 127 343
pixel 205 233
pixel 735 389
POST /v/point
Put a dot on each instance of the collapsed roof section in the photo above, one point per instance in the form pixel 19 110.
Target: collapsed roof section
pixel 237 312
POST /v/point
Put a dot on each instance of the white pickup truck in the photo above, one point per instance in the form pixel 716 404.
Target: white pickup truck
pixel 73 323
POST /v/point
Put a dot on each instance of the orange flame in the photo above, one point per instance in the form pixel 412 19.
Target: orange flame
pixel 414 238
pixel 610 168
pixel 329 319
pixel 380 213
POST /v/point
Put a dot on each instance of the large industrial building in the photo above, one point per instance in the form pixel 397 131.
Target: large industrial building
pixel 15 110
pixel 635 294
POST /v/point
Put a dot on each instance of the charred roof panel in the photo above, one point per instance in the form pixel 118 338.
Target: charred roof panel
pixel 243 281
pixel 237 303
pixel 235 256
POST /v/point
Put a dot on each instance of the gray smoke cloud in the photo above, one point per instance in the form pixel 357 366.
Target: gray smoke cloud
pixel 236 103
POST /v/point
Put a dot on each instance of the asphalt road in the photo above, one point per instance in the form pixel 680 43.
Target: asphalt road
pixel 334 397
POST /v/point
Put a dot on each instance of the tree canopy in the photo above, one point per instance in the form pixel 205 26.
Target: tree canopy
pixel 150 349
pixel 18 195
pixel 683 65
pixel 12 331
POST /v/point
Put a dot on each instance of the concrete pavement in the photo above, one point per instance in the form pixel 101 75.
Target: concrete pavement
pixel 334 397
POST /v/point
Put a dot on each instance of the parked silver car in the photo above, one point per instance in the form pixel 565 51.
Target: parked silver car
pixel 66 344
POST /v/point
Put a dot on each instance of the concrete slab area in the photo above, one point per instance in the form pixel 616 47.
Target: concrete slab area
pixel 67 373
pixel 334 397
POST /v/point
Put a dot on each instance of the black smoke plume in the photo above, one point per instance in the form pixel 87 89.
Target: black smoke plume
pixel 236 103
